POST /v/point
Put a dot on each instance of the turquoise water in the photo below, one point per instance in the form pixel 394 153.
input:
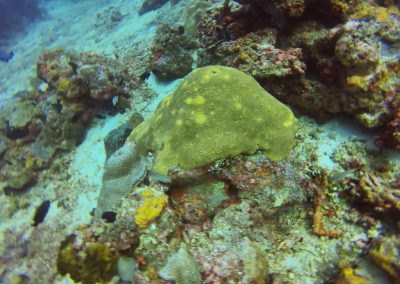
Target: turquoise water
pixel 199 141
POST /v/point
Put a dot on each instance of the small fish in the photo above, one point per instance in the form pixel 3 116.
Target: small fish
pixel 159 177
pixel 5 57
pixel 342 175
pixel 41 213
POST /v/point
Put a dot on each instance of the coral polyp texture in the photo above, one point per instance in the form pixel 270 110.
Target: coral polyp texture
pixel 122 171
pixel 216 112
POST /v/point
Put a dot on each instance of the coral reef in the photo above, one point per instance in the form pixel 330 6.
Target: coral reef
pixel 218 184
pixel 316 66
pixel 377 190
pixel 384 252
pixel 173 52
pixel 82 77
pixel 89 263
pixel 80 85
pixel 225 113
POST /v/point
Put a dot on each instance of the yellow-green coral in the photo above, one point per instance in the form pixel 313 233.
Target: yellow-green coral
pixel 380 14
pixel 63 85
pixel 151 206
pixel 216 112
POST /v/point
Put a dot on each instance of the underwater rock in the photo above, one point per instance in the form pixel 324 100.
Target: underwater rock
pixel 150 5
pixel 181 268
pixel 126 268
pixel 255 263
pixel 199 202
pixel 3 145
pixel 216 112
pixel 22 113
pixel 122 171
pixel 116 138
pixel 18 179
pixel 88 263
pixel 173 52
pixel 83 77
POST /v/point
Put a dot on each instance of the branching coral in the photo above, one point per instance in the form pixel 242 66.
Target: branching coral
pixel 385 252
pixel 376 190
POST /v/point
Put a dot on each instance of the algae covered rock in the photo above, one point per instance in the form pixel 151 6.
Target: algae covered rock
pixel 216 112
pixel 91 263
pixel 181 268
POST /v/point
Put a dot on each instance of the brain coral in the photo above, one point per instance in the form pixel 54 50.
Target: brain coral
pixel 216 112
pixel 122 171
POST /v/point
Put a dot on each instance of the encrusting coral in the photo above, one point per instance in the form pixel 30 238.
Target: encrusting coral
pixel 216 112
pixel 152 204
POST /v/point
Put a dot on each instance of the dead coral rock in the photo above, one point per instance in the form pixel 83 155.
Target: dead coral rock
pixel 150 5
pixel 256 55
pixel 181 268
pixel 18 179
pixel 376 190
pixel 87 262
pixel 199 202
pixel 392 135
pixel 83 76
pixel 116 138
pixel 356 53
pixel 173 52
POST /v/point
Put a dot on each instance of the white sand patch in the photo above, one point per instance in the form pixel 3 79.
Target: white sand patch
pixel 162 89
pixel 90 155
pixel 334 134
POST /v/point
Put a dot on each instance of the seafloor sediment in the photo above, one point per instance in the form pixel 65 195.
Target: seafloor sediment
pixel 202 142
